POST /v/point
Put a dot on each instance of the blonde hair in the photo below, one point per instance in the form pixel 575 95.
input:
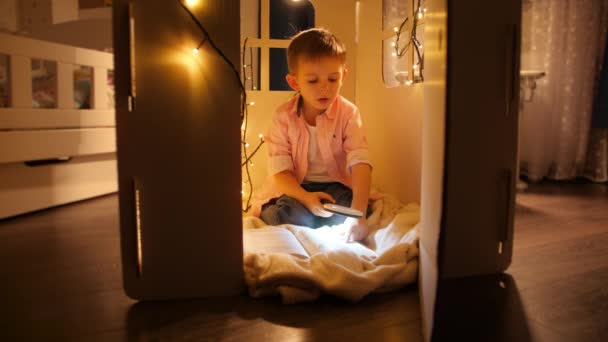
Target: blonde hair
pixel 314 43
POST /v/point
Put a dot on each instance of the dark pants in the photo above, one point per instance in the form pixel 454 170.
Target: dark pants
pixel 286 209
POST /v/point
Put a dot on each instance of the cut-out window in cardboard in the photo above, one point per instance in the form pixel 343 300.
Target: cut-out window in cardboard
pixel 265 38
pixel 403 37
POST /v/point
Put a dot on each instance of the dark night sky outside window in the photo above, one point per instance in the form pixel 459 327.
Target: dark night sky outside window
pixel 287 17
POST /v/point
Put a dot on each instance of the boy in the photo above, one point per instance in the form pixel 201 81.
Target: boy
pixel 316 145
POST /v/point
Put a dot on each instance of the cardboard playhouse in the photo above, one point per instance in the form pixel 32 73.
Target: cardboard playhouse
pixel 448 143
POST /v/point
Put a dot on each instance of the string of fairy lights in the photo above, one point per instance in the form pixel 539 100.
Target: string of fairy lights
pixel 399 51
pixel 246 155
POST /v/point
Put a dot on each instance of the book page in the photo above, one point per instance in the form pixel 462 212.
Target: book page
pixel 272 239
pixel 322 241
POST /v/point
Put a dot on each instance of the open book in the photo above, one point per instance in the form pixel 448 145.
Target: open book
pixel 299 241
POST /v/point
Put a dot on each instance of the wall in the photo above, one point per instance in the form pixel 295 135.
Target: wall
pixel 61 22
pixel 8 15
pixel 392 116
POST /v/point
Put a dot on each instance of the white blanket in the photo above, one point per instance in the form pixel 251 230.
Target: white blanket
pixel 389 259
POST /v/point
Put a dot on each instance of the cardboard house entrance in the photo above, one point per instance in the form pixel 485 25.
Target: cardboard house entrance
pixel 452 139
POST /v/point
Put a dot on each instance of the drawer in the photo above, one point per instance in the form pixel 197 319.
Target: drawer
pixel 18 146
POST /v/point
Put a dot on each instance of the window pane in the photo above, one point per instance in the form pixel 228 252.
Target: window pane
pixel 278 69
pixel 395 12
pixel 394 68
pixel 288 17
pixel 5 82
pixel 418 66
pixel 83 86
pixel 44 84
pixel 250 72
pixel 111 90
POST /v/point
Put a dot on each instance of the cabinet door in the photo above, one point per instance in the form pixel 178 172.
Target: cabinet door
pixel 178 150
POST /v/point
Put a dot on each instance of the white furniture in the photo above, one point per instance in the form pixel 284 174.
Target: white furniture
pixel 53 156
pixel 527 82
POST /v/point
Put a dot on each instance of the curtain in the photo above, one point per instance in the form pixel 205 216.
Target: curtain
pixel 596 166
pixel 566 40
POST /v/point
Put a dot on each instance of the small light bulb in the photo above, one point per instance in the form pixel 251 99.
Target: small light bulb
pixel 245 65
pixel 261 136
pixel 409 82
pixel 419 15
pixel 251 164
pixel 393 44
pixel 191 2
pixel 251 103
pixel 242 192
pixel 424 10
pixel 415 66
pixel 246 145
pixel 394 54
pixel 255 88
pixel 396 29
pixel 195 51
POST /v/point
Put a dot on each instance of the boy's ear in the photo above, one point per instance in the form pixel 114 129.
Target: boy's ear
pixel 293 82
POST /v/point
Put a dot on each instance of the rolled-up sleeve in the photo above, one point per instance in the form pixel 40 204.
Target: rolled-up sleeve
pixel 278 146
pixel 355 142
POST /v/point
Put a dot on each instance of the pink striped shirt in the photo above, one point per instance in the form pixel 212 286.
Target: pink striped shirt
pixel 340 136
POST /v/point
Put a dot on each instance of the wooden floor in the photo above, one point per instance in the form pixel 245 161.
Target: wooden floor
pixel 61 281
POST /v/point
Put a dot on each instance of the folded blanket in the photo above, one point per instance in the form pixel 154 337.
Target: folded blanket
pixel 387 260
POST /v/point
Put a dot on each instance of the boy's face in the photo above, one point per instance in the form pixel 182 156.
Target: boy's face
pixel 318 80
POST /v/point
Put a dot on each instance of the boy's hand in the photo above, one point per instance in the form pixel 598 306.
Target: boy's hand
pixel 312 201
pixel 358 229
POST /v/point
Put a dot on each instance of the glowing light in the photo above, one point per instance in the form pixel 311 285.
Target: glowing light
pixel 396 29
pixel 261 136
pixel 195 51
pixel 251 103
pixel 393 44
pixel 409 82
pixel 191 2
pixel 424 10
pixel 415 66
pixel 419 15
pixel 394 54
pixel 246 145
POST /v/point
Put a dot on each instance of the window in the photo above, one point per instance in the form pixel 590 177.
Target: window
pixel 403 55
pixel 268 35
